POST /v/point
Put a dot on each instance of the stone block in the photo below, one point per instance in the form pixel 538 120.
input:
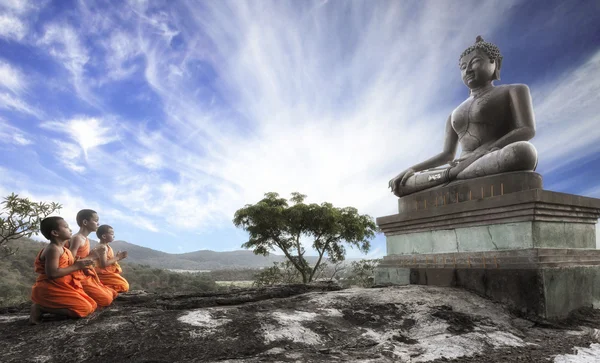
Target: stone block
pixel 392 276
pixel 564 234
pixel 569 288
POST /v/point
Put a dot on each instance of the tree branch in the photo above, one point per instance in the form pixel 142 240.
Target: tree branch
pixel 321 253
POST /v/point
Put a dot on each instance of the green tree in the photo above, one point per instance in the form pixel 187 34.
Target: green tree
pixel 20 217
pixel 274 224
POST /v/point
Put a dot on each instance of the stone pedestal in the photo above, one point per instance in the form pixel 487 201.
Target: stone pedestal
pixel 502 236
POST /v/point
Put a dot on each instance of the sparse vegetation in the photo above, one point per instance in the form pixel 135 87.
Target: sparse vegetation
pixel 20 217
pixel 362 272
pixel 274 224
pixel 357 273
pixel 144 277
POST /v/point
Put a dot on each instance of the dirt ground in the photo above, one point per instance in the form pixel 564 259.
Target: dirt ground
pixel 317 323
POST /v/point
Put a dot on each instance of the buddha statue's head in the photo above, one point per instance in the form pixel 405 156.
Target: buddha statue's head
pixel 480 63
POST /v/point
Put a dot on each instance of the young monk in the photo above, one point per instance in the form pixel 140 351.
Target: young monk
pixel 107 266
pixel 58 289
pixel 79 245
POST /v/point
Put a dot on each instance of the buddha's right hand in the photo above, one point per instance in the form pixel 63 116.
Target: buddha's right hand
pixel 401 179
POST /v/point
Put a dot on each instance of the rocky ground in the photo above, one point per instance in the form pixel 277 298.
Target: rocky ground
pixel 318 323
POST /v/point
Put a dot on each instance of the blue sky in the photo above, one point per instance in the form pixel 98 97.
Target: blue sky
pixel 167 116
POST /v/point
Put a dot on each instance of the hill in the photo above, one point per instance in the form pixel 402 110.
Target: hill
pixel 198 260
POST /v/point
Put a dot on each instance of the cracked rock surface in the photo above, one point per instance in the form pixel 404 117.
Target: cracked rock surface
pixel 299 323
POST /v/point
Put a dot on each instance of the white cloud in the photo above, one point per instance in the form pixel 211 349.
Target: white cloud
pixel 14 16
pixel 63 43
pixel 151 161
pixel 87 132
pixel 13 135
pixel 12 27
pixel 21 139
pixel 121 49
pixel 11 78
pixel 70 156
pixel 17 6
pixel 10 102
pixel 568 107
pixel 71 202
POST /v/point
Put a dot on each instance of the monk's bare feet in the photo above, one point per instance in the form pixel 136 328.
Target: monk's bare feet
pixel 35 316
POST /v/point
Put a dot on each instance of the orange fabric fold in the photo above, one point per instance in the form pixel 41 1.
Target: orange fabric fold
pixel 111 275
pixel 64 292
pixel 103 295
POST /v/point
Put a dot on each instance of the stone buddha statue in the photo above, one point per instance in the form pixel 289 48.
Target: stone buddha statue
pixel 493 127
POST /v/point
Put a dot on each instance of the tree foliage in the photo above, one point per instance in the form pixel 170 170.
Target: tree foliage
pixel 20 217
pixel 362 272
pixel 279 273
pixel 273 224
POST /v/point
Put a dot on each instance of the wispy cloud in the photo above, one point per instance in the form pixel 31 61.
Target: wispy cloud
pixel 87 132
pixel 71 200
pixel 13 103
pixel 568 107
pixel 13 135
pixel 11 78
pixel 305 102
pixel 12 27
pixel 63 43
pixel 18 6
pixel 14 17
pixel 69 155
pixel 121 49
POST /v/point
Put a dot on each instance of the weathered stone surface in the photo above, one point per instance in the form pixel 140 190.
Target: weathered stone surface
pixel 294 324
pixel 547 282
pixel 392 276
pixel 569 288
pixel 495 237
pixel 524 206
pixel 461 191
pixel 518 258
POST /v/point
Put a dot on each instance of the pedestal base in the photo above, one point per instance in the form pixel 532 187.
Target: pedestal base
pixel 532 249
pixel 547 282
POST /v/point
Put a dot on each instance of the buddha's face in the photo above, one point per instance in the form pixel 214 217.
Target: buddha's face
pixel 477 69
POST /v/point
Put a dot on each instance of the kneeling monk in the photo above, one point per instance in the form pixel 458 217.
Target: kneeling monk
pixel 108 268
pixel 79 245
pixel 58 288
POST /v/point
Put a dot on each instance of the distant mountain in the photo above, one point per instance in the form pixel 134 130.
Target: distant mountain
pixel 198 260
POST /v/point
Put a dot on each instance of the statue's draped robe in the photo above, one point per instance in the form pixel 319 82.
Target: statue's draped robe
pixel 63 292
pixel 111 275
pixel 103 295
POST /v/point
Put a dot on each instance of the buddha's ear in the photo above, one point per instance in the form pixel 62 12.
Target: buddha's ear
pixel 496 75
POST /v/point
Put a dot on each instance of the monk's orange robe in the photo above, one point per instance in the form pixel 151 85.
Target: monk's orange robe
pixel 111 275
pixel 63 292
pixel 103 295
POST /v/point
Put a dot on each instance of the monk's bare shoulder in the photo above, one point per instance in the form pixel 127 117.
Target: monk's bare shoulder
pixel 76 240
pixel 51 251
pixel 100 248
